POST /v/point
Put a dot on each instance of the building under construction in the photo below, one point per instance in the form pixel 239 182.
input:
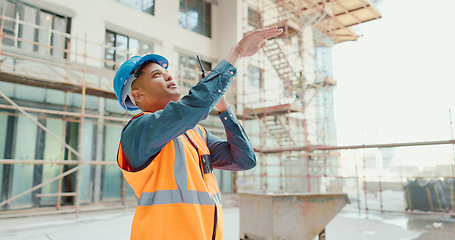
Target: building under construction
pixel 60 121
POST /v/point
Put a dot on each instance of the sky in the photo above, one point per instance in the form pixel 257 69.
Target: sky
pixel 397 82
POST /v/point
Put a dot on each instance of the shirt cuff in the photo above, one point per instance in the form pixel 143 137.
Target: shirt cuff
pixel 228 118
pixel 226 69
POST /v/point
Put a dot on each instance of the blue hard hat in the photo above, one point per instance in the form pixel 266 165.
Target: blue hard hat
pixel 126 74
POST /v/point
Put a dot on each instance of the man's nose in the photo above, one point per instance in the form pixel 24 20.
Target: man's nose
pixel 167 76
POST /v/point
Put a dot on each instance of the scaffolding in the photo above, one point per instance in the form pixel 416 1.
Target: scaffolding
pixel 70 74
pixel 76 91
pixel 299 60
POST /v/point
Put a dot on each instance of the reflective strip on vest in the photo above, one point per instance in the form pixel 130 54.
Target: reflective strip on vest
pixel 181 195
pixel 216 198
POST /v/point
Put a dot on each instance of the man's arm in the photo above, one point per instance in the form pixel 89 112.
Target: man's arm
pixel 235 154
pixel 146 135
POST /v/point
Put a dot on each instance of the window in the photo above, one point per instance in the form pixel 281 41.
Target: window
pixel 147 6
pixel 120 47
pixel 189 70
pixel 195 15
pixel 255 76
pixel 35 30
pixel 254 18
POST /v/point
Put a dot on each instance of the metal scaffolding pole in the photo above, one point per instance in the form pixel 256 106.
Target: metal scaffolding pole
pixel 379 145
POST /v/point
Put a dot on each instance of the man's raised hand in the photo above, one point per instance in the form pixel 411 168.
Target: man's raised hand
pixel 251 43
pixel 254 41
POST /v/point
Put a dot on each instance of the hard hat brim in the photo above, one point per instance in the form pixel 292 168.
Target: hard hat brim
pixel 160 60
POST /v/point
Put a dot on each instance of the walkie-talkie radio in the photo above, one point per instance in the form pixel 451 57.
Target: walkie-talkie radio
pixel 202 68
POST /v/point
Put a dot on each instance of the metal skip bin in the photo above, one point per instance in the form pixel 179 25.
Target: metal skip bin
pixel 280 216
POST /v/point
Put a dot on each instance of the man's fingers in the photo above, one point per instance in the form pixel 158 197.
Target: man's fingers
pixel 272 33
pixel 267 33
pixel 270 28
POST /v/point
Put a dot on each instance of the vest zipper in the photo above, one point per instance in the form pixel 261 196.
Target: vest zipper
pixel 215 224
pixel 197 150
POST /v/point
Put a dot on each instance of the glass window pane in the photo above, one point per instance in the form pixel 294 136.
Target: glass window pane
pixel 191 74
pixel 113 106
pixel 8 25
pixel 91 102
pixel 148 6
pixel 254 75
pixel 182 60
pixel 207 15
pixel 182 19
pixel 109 51
pixel 53 151
pixel 121 46
pixel 55 96
pixel 8 88
pixel 133 47
pixel 206 31
pixel 27 31
pixel 146 49
pixel 87 150
pixel 196 16
pixel 44 33
pixel 190 18
pixel 112 182
pixel 254 19
pixel 182 5
pixel 58 37
pixel 33 93
pixel 192 62
pixel 25 139
pixel 182 66
pixel 193 66
pixel 131 3
pixel 10 11
pixel 3 122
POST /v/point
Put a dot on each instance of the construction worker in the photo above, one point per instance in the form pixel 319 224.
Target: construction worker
pixel 167 158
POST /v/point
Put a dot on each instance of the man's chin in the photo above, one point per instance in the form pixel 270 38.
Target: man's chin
pixel 176 96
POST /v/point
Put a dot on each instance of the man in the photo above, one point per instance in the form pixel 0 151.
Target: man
pixel 167 158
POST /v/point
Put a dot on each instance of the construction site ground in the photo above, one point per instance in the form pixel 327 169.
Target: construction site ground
pixel 116 224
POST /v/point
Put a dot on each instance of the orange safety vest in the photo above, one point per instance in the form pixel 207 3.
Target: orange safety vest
pixel 178 193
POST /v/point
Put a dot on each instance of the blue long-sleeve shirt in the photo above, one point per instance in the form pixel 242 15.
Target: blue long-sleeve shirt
pixel 143 138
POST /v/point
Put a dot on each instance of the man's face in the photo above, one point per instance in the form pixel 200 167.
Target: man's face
pixel 154 88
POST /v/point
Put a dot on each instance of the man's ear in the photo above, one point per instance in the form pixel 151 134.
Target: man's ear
pixel 138 95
